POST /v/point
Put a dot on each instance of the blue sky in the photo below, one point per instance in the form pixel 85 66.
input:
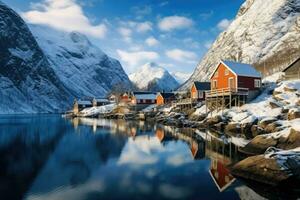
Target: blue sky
pixel 173 33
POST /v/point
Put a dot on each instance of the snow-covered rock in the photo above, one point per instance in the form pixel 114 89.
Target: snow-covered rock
pixel 27 81
pixel 83 68
pixel 153 78
pixel 265 33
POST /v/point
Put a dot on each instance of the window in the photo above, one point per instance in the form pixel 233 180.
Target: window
pixel 230 82
pixel 200 94
pixel 226 72
pixel 257 83
pixel 214 84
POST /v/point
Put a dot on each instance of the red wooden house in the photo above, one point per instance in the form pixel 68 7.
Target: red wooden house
pixel 144 98
pixel 165 98
pixel 198 90
pixel 235 75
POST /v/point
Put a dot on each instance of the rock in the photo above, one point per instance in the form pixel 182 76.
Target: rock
pixel 289 89
pixel 262 142
pixel 259 145
pixel 197 117
pixel 256 130
pixel 263 123
pixel 274 104
pixel 275 92
pixel 261 169
pixel 214 120
pixel 272 127
pixel 293 114
pixel 220 126
pixel 233 128
pixel 291 142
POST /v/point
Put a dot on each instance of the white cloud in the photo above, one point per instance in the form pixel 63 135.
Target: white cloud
pixel 223 24
pixel 134 59
pixel 125 32
pixel 181 55
pixel 174 22
pixel 151 41
pixel 144 27
pixel 66 15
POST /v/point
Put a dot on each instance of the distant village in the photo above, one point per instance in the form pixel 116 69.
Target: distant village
pixel 231 84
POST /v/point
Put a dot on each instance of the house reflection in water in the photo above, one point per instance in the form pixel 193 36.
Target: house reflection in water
pixel 220 155
pixel 220 174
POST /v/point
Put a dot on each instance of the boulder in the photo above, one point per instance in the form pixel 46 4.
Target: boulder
pixel 197 117
pixel 256 130
pixel 220 126
pixel 291 142
pixel 261 169
pixel 263 123
pixel 274 104
pixel 233 128
pixel 262 142
pixel 272 127
pixel 214 120
pixel 259 145
pixel 287 89
pixel 293 114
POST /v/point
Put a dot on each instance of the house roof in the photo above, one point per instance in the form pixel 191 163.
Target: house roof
pixel 84 102
pixel 202 85
pixel 145 96
pixel 240 69
pixel 167 95
pixel 101 100
pixel 142 92
pixel 291 65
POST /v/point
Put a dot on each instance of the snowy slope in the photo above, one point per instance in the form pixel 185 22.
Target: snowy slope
pixel 265 33
pixel 152 77
pixel 27 82
pixel 83 68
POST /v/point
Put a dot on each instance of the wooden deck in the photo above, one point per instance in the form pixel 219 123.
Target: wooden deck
pixel 227 92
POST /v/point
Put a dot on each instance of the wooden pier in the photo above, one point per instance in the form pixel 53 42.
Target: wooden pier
pixel 221 99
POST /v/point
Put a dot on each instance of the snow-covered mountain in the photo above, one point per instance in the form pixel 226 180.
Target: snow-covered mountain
pixel 152 77
pixel 83 68
pixel 181 77
pixel 44 71
pixel 27 81
pixel 265 33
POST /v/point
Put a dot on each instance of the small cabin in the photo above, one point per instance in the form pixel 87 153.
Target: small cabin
pixel 143 98
pixel 79 105
pixel 165 98
pixel 235 75
pixel 198 90
pixel 292 72
pixel 125 97
pixel 100 102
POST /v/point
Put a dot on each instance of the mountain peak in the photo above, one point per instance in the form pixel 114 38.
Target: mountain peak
pixel 265 33
pixel 156 76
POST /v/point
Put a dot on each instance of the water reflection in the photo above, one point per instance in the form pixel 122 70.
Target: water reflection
pixel 47 157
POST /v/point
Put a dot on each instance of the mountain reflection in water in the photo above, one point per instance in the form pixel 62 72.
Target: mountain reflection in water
pixel 47 157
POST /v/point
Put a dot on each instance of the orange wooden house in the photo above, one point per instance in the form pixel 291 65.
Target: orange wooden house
pixel 164 98
pixel 198 90
pixel 235 75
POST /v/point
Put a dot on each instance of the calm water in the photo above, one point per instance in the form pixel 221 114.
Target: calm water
pixel 48 157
